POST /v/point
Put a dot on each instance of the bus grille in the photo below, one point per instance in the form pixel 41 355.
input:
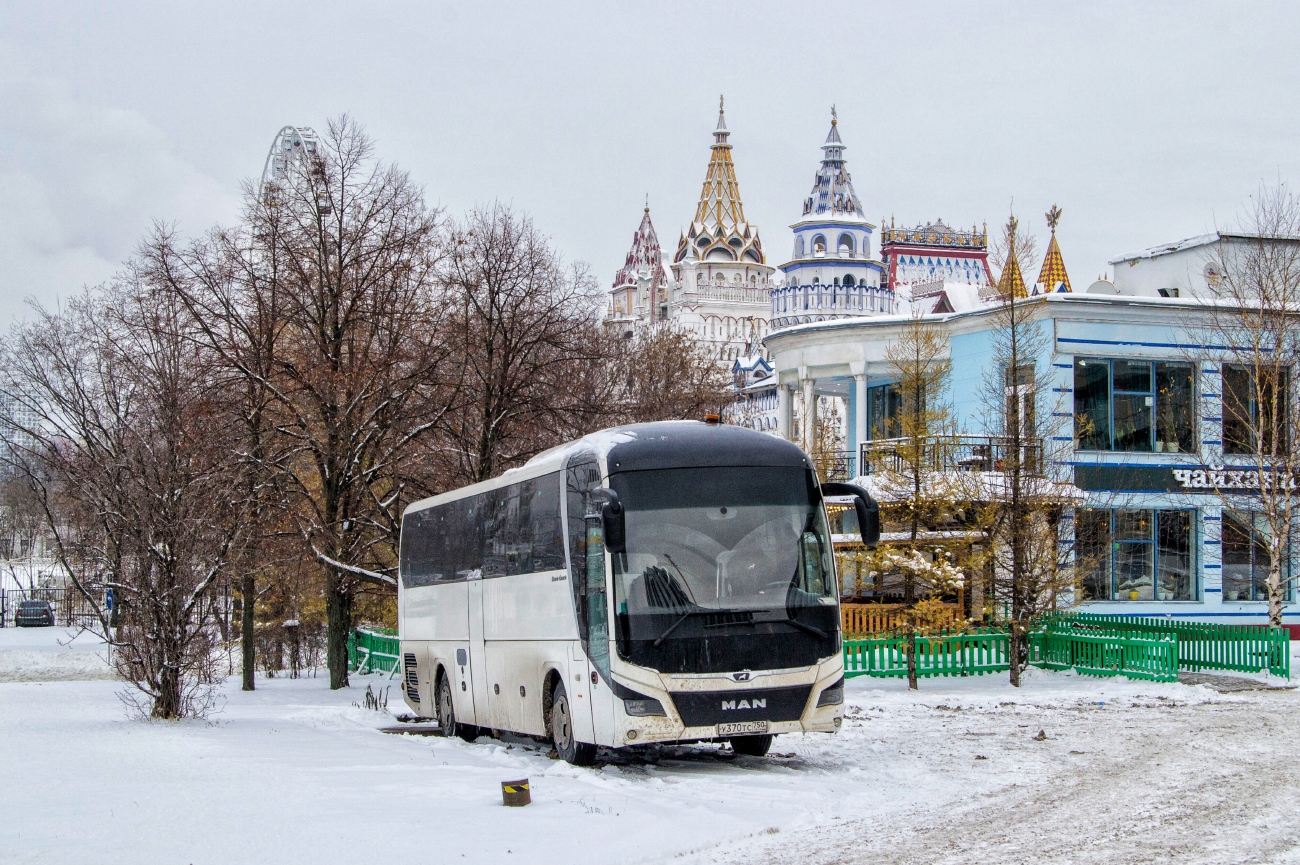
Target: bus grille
pixel 412 677
pixel 706 708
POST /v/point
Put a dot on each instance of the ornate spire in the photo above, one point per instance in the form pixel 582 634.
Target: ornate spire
pixel 720 204
pixel 1011 283
pixel 719 230
pixel 832 192
pixel 1052 277
pixel 644 259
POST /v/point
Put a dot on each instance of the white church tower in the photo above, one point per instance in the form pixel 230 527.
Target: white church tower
pixel 834 272
pixel 719 283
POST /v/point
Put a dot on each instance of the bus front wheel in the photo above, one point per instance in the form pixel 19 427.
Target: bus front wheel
pixel 568 747
pixel 447 714
pixel 751 746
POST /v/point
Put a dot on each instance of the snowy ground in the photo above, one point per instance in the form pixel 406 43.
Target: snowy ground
pixel 1125 772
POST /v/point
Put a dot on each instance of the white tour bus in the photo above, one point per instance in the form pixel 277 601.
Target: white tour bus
pixel 664 582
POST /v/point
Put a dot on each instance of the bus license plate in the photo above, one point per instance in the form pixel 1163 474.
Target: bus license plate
pixel 742 728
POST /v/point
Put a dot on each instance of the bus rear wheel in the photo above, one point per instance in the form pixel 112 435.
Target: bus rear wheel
pixel 447 714
pixel 568 747
pixel 751 746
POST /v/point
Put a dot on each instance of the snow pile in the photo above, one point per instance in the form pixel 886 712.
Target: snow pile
pixel 52 655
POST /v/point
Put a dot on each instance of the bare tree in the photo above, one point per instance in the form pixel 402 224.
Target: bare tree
pixel 668 374
pixel 1030 568
pixel 524 334
pixel 356 374
pixel 130 452
pixel 230 284
pixel 1253 327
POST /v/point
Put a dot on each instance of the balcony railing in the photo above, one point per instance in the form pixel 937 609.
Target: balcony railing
pixel 837 466
pixel 955 453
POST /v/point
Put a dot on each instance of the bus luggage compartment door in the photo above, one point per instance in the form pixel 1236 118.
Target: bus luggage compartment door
pixel 478 683
pixel 579 690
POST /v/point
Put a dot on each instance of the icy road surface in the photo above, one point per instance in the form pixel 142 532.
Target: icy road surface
pixel 1124 772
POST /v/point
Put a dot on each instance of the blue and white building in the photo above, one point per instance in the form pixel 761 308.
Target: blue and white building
pixel 1136 404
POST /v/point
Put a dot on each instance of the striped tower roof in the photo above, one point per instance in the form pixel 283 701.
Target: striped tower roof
pixel 1052 277
pixel 719 230
pixel 720 204
pixel 1011 283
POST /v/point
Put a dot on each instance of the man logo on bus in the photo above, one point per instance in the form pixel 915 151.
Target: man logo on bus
pixel 744 704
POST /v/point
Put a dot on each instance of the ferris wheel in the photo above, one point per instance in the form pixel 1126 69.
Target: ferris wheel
pixel 292 143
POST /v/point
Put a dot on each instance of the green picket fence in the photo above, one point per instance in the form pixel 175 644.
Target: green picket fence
pixel 374 651
pixel 1201 646
pixel 969 654
pixel 988 651
pixel 1153 657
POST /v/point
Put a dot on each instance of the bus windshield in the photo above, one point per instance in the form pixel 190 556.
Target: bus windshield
pixel 719 555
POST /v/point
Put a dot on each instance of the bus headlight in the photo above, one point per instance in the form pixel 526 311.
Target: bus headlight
pixel 832 696
pixel 643 706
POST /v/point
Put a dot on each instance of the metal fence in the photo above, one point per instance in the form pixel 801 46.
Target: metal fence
pixel 1201 646
pixel 988 651
pixel 969 654
pixel 1093 645
pixel 70 606
pixel 377 650
pixel 950 453
pixel 1153 656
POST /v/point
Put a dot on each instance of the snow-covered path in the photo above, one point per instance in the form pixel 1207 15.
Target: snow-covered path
pixel 1137 780
pixel 295 773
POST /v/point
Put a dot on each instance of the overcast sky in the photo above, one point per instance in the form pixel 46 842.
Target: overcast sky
pixel 1145 123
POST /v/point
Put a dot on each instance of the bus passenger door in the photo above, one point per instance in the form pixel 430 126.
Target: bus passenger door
pixel 477 658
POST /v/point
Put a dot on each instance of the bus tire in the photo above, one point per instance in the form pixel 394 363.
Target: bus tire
pixel 569 749
pixel 447 713
pixel 751 746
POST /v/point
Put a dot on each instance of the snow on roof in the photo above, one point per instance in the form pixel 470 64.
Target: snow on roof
pixel 1202 240
pixel 1167 248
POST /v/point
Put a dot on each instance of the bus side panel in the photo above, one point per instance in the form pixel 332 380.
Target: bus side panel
pixel 517 672
pixel 528 607
pixel 435 612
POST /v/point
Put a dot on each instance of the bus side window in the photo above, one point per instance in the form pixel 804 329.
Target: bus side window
pixel 587 559
pixel 597 605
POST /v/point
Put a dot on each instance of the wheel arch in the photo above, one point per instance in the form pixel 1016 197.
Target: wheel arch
pixel 550 679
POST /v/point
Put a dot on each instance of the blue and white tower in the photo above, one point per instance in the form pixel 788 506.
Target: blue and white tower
pixel 834 272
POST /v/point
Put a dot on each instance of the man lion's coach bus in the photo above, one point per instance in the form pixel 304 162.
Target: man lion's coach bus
pixel 664 582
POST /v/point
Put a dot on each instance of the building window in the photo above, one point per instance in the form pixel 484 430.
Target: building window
pixel 1246 557
pixel 1134 405
pixel 848 279
pixel 884 404
pixel 846 244
pixel 1255 404
pixel 1135 554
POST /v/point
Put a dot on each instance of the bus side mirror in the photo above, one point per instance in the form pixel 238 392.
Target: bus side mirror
pixel 867 509
pixel 611 517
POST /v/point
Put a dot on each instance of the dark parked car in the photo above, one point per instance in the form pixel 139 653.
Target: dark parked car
pixel 34 614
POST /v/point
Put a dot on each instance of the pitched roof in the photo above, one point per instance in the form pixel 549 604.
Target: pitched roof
pixel 719 230
pixel 832 191
pixel 720 203
pixel 1011 283
pixel 1052 277
pixel 645 256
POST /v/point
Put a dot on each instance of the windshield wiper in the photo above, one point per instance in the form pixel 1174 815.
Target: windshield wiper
pixel 816 632
pixel 671 628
